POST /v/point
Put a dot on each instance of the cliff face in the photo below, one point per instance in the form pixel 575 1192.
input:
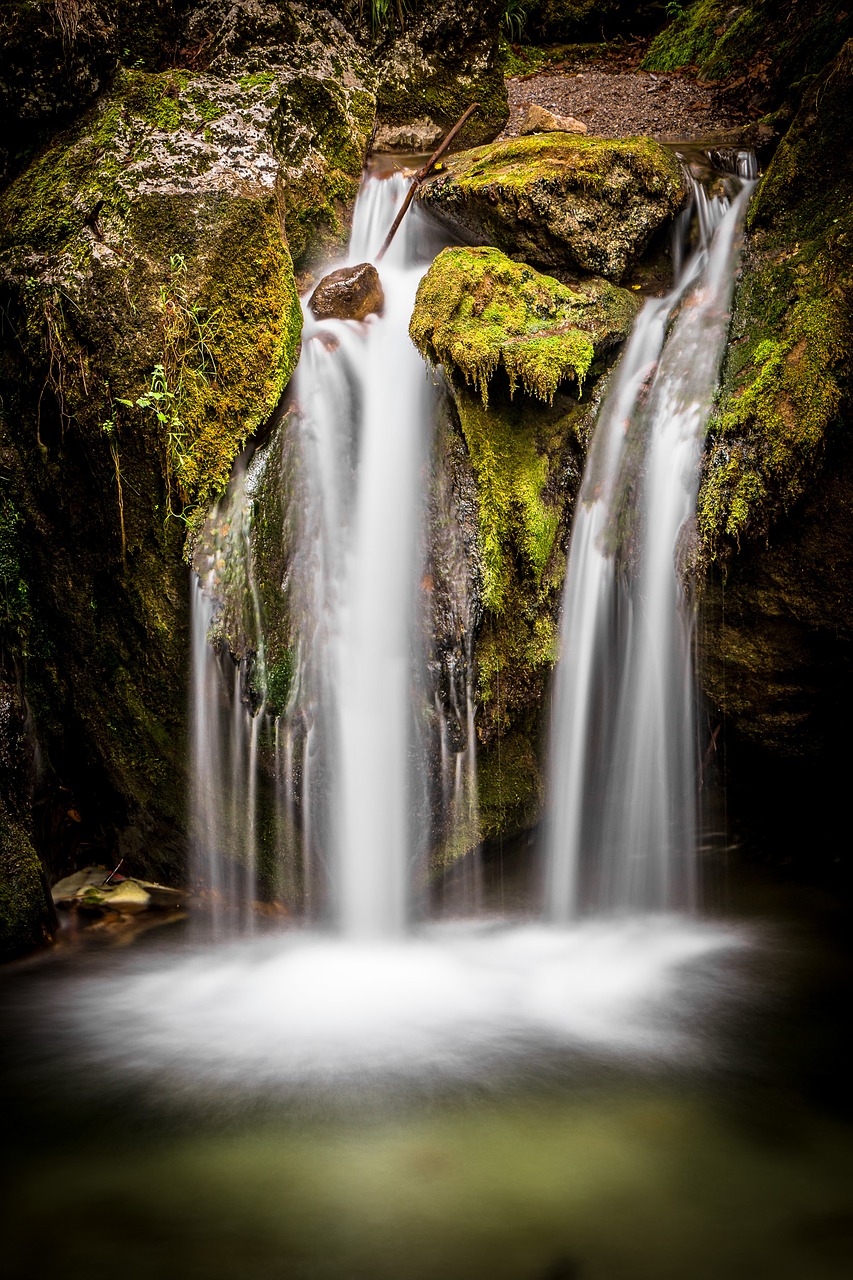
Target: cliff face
pixel 776 505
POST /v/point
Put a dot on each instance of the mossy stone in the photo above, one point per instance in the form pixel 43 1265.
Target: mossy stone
pixel 559 200
pixel 477 311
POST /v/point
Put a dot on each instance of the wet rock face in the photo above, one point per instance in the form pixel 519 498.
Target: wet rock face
pixel 350 293
pixel 445 57
pixel 27 919
pixel 776 498
pixel 555 200
pixel 156 322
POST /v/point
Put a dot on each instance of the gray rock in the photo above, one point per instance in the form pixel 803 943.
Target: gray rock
pixel 538 120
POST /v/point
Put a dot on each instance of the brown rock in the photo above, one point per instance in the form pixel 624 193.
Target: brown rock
pixel 350 293
pixel 538 120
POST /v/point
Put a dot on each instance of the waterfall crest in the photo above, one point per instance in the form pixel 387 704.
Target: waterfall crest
pixel 622 832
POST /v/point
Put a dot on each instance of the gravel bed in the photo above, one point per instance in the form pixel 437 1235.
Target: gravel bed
pixel 671 108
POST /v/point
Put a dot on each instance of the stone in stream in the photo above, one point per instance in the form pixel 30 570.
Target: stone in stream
pixel 350 293
pixel 88 889
pixel 538 120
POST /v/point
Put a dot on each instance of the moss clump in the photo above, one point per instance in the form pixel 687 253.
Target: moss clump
pixel 558 199
pixel 477 311
pixel 787 374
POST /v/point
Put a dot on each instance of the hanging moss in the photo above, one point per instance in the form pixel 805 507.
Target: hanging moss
pixel 477 312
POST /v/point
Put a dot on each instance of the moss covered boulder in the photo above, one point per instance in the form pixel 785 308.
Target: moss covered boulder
pixel 151 323
pixel 776 502
pixel 478 312
pixel 56 55
pixel 557 200
pixel 508 339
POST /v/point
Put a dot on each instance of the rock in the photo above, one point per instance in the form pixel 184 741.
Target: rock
pixel 446 56
pixel 477 313
pixel 555 200
pixel 69 888
pixel 498 326
pixel 419 135
pixel 350 293
pixel 775 512
pixel 128 898
pixel 538 120
pixel 27 917
pixel 156 323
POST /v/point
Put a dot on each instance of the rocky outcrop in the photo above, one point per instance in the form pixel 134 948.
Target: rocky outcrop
pixel 777 493
pixel 509 338
pixel 445 56
pixel 560 201
pixel 478 313
pixel 151 324
pixel 57 55
pixel 762 50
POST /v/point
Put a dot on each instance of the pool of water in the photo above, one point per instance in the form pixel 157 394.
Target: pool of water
pixel 637 1100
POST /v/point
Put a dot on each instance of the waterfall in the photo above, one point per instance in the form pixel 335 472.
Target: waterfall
pixel 343 750
pixel 622 832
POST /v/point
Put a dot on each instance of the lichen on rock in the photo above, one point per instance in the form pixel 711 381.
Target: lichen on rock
pixel 559 200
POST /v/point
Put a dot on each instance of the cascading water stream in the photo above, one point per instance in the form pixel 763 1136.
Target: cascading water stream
pixel 343 748
pixel 622 834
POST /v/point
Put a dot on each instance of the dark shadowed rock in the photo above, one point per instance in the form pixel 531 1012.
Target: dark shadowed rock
pixel 350 293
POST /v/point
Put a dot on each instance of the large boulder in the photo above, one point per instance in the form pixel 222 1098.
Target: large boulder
pixel 557 200
pixel 316 86
pixel 152 322
pixel 776 503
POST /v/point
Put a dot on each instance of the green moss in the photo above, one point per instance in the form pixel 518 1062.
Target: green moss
pixel 771 42
pixel 787 375
pixel 511 786
pixel 25 914
pixel 515 163
pixel 477 312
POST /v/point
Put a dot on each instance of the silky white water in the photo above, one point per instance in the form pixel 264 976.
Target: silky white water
pixel 622 833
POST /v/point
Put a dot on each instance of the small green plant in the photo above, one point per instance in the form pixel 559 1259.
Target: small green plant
pixel 674 10
pixel 188 331
pixel 110 430
pixel 515 18
pixel 382 11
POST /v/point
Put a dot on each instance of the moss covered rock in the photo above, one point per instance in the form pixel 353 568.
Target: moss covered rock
pixel 312 88
pixel 557 200
pixel 776 503
pixel 477 311
pixel 152 323
pixel 56 55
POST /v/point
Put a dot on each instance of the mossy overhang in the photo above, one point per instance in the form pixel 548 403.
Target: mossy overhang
pixel 478 311
pixel 561 200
